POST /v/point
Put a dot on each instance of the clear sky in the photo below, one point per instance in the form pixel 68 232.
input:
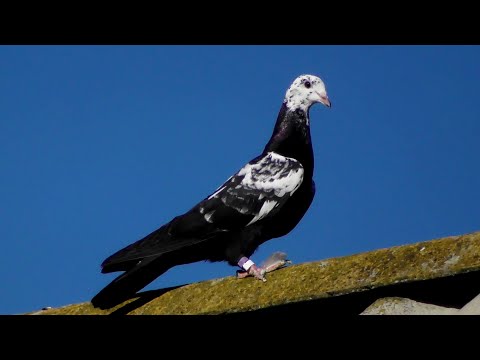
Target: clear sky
pixel 100 145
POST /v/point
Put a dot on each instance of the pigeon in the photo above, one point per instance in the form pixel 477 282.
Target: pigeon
pixel 264 200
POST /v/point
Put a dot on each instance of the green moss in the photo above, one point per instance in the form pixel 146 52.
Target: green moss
pixel 314 280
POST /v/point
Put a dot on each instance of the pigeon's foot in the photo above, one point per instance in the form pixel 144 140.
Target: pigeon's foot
pixel 255 271
pixel 275 261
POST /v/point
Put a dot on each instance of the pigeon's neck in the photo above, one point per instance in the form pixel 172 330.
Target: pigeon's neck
pixel 291 137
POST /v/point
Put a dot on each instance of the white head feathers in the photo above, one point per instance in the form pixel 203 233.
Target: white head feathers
pixel 305 91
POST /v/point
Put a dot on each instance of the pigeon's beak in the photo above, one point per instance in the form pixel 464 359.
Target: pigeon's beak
pixel 325 100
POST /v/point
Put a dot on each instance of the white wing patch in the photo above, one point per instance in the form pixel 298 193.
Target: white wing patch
pixel 270 174
pixel 259 187
pixel 208 216
pixel 264 211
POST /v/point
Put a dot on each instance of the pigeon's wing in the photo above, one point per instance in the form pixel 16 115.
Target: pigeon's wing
pixel 254 193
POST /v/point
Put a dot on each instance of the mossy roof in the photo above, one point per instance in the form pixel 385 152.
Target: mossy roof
pixel 303 282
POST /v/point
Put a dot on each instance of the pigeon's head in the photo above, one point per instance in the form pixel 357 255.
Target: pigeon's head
pixel 305 91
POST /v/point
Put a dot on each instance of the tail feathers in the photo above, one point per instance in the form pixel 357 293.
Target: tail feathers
pixel 126 285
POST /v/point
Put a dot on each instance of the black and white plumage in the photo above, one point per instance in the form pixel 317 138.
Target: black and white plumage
pixel 264 200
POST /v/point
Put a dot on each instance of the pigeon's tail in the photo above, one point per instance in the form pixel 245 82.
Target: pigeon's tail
pixel 126 285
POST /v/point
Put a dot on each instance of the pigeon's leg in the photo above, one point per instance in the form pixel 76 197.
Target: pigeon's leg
pixel 274 262
pixel 253 270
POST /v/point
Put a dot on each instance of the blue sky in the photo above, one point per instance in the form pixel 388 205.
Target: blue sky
pixel 100 145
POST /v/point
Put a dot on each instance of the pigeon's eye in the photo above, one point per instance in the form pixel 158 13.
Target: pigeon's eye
pixel 307 84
